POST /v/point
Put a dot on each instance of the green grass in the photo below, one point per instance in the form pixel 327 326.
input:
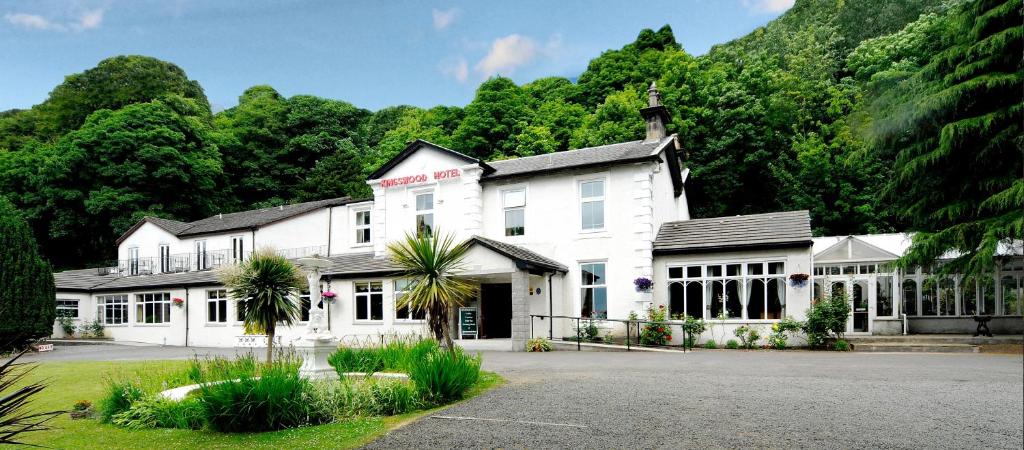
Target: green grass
pixel 71 381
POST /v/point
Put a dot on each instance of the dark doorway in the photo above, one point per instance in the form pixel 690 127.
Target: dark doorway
pixel 495 311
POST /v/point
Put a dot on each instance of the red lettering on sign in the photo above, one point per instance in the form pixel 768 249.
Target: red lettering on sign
pixel 420 178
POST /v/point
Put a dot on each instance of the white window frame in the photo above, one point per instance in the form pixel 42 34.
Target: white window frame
pixel 157 299
pixel 63 304
pixel 133 260
pixel 115 302
pixel 217 296
pixel 202 255
pixel 603 285
pixel 581 200
pixel 417 212
pixel 164 250
pixel 237 249
pixel 368 298
pixel 505 209
pixel 398 294
pixel 360 228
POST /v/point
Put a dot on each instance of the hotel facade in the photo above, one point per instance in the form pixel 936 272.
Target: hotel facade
pixel 562 234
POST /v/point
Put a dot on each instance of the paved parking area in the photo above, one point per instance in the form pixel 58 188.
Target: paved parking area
pixel 710 399
pixel 734 399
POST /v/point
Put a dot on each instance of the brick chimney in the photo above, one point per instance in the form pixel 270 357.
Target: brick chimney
pixel 656 115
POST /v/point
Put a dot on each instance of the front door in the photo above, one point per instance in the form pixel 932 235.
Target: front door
pixel 859 303
pixel 496 311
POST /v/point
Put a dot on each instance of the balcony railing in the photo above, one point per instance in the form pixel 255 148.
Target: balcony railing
pixel 193 262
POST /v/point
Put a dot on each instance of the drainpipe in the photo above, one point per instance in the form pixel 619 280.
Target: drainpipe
pixel 253 231
pixel 551 310
pixel 186 316
pixel 330 218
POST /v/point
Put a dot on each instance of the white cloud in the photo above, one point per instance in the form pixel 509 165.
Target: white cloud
pixel 89 20
pixel 456 68
pixel 32 21
pixel 86 20
pixel 444 18
pixel 507 54
pixel 767 6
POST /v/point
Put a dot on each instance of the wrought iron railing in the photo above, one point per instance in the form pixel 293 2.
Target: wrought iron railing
pixel 632 338
pixel 193 262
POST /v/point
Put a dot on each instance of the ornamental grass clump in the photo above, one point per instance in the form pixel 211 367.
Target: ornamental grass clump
pixel 120 396
pixel 271 402
pixel 157 412
pixel 444 376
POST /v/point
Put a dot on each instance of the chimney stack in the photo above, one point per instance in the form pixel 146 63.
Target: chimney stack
pixel 656 115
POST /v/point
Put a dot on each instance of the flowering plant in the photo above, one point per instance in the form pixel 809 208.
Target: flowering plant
pixel 656 331
pixel 328 295
pixel 643 284
pixel 178 302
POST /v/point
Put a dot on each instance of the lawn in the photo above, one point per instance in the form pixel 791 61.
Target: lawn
pixel 71 381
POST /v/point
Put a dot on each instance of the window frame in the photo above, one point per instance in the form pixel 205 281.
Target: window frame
pixel 743 281
pixel 595 287
pixel 237 249
pixel 360 228
pixel 122 304
pixel 581 201
pixel 396 293
pixel 64 307
pixel 164 252
pixel 417 213
pixel 368 298
pixel 505 209
pixel 221 298
pixel 143 299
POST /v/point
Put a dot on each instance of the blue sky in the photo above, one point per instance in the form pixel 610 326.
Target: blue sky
pixel 373 54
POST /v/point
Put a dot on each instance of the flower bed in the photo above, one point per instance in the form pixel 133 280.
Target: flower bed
pixel 246 395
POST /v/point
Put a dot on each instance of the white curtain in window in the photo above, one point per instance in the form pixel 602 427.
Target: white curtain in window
pixel 780 285
pixel 746 297
pixel 709 296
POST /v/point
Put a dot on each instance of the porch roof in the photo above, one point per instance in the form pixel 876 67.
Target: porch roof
pixel 525 259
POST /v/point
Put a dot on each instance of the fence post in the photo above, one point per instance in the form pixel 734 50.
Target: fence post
pixel 531 326
pixel 579 339
pixel 627 336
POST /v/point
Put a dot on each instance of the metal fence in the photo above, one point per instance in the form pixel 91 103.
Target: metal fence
pixel 578 322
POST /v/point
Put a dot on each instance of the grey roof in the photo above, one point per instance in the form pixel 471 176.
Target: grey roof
pixel 258 217
pixel 253 218
pixel 584 157
pixel 413 146
pixel 755 231
pixel 206 277
pixel 80 280
pixel 524 258
pixel 359 264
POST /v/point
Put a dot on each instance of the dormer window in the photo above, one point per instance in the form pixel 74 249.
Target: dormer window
pixel 362 227
pixel 425 214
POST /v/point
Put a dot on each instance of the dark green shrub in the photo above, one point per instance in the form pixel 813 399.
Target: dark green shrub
pixel 692 329
pixel 781 331
pixel 273 401
pixel 710 345
pixel 748 335
pixel 444 376
pixel 826 318
pixel 841 345
pixel 27 296
pixel 120 396
pixel 732 344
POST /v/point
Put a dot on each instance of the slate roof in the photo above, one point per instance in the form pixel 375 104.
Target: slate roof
pixel 80 280
pixel 359 264
pixel 524 258
pixel 750 232
pixel 584 157
pixel 413 146
pixel 239 220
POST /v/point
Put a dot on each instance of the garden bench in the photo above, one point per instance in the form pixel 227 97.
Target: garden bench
pixel 982 326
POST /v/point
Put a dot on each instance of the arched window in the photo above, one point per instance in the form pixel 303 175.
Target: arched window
pixel 1011 296
pixel 676 299
pixel 883 296
pixel 695 299
pixel 910 297
pixel 968 297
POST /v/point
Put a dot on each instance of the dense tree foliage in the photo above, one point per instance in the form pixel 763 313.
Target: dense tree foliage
pixel 807 112
pixel 27 304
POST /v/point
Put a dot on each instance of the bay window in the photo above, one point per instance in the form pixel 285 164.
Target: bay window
pixel 752 290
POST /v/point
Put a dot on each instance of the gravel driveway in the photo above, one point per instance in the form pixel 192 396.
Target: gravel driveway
pixel 732 399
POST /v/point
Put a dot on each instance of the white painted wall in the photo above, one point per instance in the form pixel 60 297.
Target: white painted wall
pixel 148 238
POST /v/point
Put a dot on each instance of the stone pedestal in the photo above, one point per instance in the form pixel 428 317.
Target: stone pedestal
pixel 314 354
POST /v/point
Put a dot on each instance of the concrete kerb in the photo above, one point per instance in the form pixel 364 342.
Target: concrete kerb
pixel 179 393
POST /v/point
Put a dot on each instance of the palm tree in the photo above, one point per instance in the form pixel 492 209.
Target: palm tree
pixel 433 265
pixel 265 288
pixel 15 396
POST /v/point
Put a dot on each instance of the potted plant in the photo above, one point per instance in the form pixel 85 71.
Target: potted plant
pixel 643 284
pixel 178 301
pixel 81 409
pixel 799 279
pixel 328 296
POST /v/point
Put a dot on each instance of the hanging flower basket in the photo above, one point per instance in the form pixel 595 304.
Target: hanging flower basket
pixel 328 296
pixel 799 279
pixel 643 284
pixel 177 301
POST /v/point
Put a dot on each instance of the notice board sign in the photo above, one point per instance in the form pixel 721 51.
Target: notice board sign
pixel 468 322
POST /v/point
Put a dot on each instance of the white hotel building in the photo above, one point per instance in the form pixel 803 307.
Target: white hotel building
pixel 556 234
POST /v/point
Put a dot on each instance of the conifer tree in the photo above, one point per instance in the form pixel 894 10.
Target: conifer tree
pixel 27 304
